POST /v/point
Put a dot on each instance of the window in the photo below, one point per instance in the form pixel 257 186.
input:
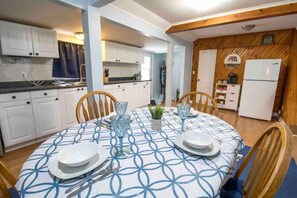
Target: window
pixel 146 67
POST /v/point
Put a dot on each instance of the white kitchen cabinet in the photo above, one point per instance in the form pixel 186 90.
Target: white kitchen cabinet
pixel 47 115
pixel 23 40
pixel 68 99
pixel 15 39
pixel 44 43
pixel 227 96
pixel 146 94
pixel 16 120
pixel 114 52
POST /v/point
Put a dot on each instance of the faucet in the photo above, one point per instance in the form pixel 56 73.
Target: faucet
pixel 81 75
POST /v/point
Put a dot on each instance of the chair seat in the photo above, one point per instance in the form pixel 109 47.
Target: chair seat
pixel 13 193
pixel 232 189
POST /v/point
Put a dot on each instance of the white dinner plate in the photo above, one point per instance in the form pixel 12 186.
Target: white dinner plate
pixel 65 172
pixel 211 150
pixel 77 154
pixel 192 113
pixel 198 140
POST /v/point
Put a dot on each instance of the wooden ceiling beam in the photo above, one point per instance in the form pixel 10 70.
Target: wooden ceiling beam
pixel 234 18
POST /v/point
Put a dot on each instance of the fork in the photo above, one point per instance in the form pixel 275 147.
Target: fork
pixel 101 172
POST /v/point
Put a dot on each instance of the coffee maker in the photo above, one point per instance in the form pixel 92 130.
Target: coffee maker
pixel 232 78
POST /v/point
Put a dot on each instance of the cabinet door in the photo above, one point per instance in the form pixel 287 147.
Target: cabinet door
pixel 45 43
pixel 146 94
pixel 109 52
pixel 47 116
pixel 68 100
pixel 130 96
pixel 17 122
pixel 16 39
pixel 120 94
pixel 122 54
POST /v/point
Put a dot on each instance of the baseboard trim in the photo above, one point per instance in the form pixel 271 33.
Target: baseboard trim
pixel 283 122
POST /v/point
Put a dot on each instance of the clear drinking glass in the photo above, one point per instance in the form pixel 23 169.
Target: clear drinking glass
pixel 120 125
pixel 183 112
pixel 158 98
pixel 121 107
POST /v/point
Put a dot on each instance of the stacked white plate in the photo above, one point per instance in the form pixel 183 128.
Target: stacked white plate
pixel 197 143
pixel 76 160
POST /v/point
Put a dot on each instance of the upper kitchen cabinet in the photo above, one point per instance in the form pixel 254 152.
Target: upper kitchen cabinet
pixel 23 40
pixel 114 52
pixel 44 42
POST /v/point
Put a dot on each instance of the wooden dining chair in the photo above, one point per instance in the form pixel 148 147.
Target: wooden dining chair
pixel 201 102
pixel 6 176
pixel 94 105
pixel 268 162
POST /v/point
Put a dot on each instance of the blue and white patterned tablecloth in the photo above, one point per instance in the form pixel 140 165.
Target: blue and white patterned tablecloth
pixel 156 168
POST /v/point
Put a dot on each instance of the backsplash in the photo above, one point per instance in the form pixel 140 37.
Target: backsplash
pixel 121 69
pixel 35 69
pixel 41 69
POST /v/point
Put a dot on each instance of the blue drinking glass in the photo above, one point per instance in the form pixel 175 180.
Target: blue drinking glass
pixel 121 107
pixel 183 112
pixel 120 125
pixel 158 98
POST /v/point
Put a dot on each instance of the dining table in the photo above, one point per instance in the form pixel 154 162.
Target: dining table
pixel 155 167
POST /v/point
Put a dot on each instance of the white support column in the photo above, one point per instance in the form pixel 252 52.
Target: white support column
pixel 92 42
pixel 169 65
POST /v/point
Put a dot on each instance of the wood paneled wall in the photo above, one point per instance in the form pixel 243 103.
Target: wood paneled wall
pixel 289 113
pixel 247 46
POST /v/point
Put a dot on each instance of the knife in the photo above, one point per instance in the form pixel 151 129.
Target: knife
pixel 89 177
pixel 92 182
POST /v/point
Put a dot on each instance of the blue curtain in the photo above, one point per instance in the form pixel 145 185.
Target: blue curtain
pixel 71 56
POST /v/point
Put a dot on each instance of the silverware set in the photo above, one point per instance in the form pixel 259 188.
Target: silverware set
pixel 101 175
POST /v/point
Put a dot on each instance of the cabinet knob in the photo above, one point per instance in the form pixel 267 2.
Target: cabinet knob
pixel 82 88
pixel 57 98
pixel 78 89
pixel 123 89
pixel 232 93
pixel 13 97
pixel 30 53
pixel 45 94
pixel 119 85
pixel 28 102
pixel 36 54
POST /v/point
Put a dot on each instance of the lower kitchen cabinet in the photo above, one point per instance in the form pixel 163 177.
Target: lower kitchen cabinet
pixel 68 99
pixel 17 122
pixel 47 116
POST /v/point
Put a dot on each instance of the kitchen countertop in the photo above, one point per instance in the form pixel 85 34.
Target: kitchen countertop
pixel 21 86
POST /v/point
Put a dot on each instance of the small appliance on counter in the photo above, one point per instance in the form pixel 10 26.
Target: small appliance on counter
pixel 105 75
pixel 232 78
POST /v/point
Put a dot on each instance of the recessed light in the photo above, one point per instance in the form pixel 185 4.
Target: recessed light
pixel 79 35
pixel 204 5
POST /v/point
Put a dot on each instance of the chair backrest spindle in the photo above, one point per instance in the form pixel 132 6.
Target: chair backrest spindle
pixel 99 104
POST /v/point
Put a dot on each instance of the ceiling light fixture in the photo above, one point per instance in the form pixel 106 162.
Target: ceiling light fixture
pixel 248 27
pixel 79 35
pixel 203 5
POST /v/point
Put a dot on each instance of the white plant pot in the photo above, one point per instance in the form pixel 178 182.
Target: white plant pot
pixel 156 124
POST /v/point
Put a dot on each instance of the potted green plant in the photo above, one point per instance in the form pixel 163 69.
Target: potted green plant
pixel 157 113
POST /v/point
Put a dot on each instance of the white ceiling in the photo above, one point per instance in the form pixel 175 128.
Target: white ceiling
pixel 176 11
pixel 67 20
pixel 46 13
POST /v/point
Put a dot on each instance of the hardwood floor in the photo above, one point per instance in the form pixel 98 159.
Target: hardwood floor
pixel 249 129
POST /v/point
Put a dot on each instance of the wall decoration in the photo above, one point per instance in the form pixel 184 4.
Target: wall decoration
pixel 268 39
pixel 232 61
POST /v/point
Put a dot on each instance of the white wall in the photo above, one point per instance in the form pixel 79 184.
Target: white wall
pixel 177 63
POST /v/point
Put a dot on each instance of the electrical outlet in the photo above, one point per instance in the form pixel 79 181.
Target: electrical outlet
pixel 24 75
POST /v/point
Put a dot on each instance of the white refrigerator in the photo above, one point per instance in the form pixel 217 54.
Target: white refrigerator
pixel 259 88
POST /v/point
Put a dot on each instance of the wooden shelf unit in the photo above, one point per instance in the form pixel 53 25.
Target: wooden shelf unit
pixel 227 96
